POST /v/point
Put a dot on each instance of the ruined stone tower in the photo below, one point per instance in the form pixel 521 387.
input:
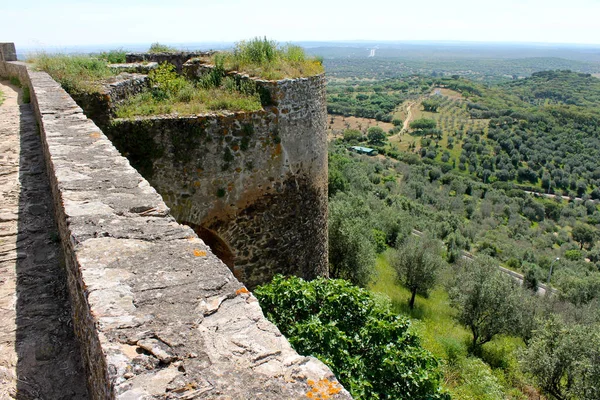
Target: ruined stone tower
pixel 253 185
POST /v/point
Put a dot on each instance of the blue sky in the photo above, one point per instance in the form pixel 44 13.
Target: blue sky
pixel 55 23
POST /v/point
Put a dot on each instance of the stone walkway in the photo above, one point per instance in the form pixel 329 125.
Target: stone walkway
pixel 39 357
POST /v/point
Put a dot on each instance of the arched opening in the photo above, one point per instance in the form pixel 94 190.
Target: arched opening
pixel 218 246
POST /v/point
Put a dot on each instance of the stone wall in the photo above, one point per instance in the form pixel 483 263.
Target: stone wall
pixel 258 181
pixel 177 59
pixel 99 106
pixel 156 313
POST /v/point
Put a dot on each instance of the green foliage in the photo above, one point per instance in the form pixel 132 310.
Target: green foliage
pixel 487 301
pixel 417 262
pixel 431 105
pixel 161 48
pixel 573 255
pixel 584 234
pixel 1 97
pixel 116 56
pixel 563 360
pixel 26 95
pixel 351 244
pixel 267 59
pixel 76 73
pixel 171 92
pixel 423 124
pixel 376 136
pixel 352 136
pixel 372 351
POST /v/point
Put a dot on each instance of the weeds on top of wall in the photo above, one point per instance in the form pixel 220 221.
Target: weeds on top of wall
pixel 77 74
pixel 161 48
pixel 171 93
pixel 116 56
pixel 269 60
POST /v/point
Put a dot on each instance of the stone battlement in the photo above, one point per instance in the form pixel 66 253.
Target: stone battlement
pixel 157 314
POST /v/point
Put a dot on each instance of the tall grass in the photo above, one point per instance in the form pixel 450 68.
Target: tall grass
pixel 76 73
pixel 115 56
pixel 494 376
pixel 161 48
pixel 267 59
pixel 171 93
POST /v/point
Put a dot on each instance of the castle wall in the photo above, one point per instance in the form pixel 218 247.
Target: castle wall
pixel 177 59
pixel 156 313
pixel 258 180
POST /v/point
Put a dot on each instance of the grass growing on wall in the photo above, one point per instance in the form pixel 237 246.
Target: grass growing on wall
pixel 1 97
pixel 161 48
pixel 171 93
pixel 75 73
pixel 267 59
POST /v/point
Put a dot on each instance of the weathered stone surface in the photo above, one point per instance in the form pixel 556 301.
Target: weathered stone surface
pixel 8 52
pixel 156 313
pixel 143 68
pixel 177 59
pixel 39 356
pixel 255 183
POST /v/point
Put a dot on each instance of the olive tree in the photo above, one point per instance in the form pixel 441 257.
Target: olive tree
pixel 417 262
pixel 487 301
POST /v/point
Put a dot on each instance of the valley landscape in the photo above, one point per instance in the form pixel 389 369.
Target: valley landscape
pixel 319 219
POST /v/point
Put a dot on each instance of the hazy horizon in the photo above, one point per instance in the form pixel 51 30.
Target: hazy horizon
pixel 67 23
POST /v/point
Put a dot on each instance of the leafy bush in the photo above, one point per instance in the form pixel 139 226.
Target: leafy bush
pixel 372 351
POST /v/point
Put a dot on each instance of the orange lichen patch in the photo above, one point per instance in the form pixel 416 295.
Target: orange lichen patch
pixel 324 389
pixel 197 184
pixel 242 290
pixel 277 150
pixel 199 253
pixel 199 171
pixel 235 148
pixel 238 170
pixel 95 135
pixel 230 187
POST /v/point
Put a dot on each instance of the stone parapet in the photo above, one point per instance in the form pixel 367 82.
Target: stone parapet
pixel 157 314
pixel 177 58
pixel 8 52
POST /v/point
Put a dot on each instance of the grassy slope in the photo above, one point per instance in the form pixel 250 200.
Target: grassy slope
pixel 466 377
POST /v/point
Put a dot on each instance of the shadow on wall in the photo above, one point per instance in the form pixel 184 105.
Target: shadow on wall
pixel 49 362
pixel 218 246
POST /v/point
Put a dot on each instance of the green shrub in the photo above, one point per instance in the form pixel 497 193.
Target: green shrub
pixel 116 56
pixel 373 352
pixel 161 48
pixel 573 255
pixel 456 350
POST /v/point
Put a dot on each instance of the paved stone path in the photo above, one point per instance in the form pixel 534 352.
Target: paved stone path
pixel 39 357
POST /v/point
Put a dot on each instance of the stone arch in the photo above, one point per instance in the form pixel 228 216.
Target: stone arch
pixel 216 243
